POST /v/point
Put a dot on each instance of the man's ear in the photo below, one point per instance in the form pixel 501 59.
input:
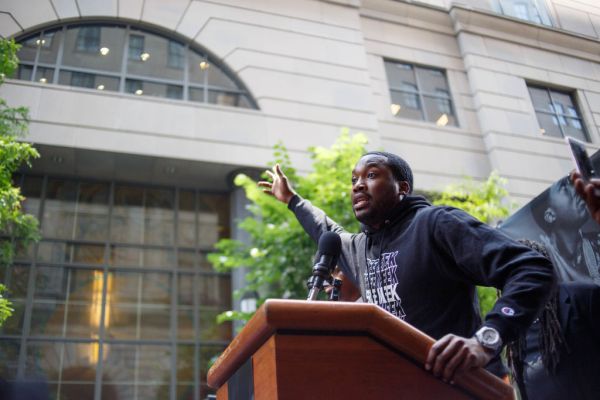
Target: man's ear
pixel 403 187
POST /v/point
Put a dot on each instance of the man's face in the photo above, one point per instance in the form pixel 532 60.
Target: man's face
pixel 374 190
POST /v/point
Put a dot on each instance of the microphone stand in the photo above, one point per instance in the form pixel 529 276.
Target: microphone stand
pixel 315 283
pixel 335 291
pixel 321 273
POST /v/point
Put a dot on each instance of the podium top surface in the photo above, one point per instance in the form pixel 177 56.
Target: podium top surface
pixel 343 318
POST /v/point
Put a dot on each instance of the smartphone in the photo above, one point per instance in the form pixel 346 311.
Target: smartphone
pixel 581 158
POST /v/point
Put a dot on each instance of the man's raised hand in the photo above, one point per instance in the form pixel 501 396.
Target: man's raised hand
pixel 280 188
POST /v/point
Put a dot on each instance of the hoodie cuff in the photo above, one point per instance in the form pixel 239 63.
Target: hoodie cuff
pixel 294 202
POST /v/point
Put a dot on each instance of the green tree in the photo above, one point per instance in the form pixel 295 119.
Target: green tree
pixel 278 257
pixel 486 201
pixel 16 228
pixel 5 309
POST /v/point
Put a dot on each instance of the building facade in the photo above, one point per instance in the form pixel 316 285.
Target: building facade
pixel 144 110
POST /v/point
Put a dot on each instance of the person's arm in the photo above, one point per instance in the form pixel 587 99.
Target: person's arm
pixel 485 256
pixel 314 220
pixel 590 192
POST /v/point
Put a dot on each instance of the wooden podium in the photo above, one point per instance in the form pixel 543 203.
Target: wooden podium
pixel 295 349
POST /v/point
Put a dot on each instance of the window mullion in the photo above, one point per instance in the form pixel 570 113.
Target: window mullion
pixel 37 56
pixel 186 72
pixel 205 80
pixel 25 333
pixel 421 98
pixel 59 56
pixel 174 331
pixel 555 112
pixel 125 58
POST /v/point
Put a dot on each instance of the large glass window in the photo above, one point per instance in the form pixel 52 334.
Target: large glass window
pixel 127 59
pixel 557 113
pixel 118 293
pixel 528 10
pixel 420 93
pixel 102 54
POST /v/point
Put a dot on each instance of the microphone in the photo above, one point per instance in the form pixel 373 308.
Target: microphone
pixel 330 247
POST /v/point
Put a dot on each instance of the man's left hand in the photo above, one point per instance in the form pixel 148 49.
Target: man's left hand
pixel 453 355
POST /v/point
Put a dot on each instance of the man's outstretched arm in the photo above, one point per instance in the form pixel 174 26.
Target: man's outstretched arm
pixel 314 221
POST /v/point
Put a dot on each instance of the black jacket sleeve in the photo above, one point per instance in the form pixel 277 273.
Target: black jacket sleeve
pixel 487 257
pixel 315 222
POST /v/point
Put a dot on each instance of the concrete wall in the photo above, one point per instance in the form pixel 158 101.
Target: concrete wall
pixel 303 63
pixel 317 66
pixel 501 57
pixel 425 36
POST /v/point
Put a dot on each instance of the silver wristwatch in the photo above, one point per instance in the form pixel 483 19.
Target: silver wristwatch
pixel 489 338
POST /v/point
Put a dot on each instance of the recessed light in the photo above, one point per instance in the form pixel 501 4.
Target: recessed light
pixel 442 120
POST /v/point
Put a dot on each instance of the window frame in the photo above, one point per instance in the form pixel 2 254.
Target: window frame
pixel 559 115
pixel 421 95
pixel 135 52
pixel 540 7
pixel 173 54
pixel 123 75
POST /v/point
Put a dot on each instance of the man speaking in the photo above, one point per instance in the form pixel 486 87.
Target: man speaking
pixel 422 263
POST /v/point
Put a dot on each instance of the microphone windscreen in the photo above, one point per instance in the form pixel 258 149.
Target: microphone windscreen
pixel 330 244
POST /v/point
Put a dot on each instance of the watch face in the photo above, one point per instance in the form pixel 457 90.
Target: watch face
pixel 489 336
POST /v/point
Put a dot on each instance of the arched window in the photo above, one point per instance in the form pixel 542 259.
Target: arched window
pixel 127 59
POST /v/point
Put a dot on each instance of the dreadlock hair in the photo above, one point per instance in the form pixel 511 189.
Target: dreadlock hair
pixel 399 167
pixel 551 338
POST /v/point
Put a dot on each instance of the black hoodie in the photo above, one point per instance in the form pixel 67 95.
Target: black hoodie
pixel 424 263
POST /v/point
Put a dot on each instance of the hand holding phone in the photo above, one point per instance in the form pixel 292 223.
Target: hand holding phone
pixel 586 182
pixel 581 158
pixel 589 192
